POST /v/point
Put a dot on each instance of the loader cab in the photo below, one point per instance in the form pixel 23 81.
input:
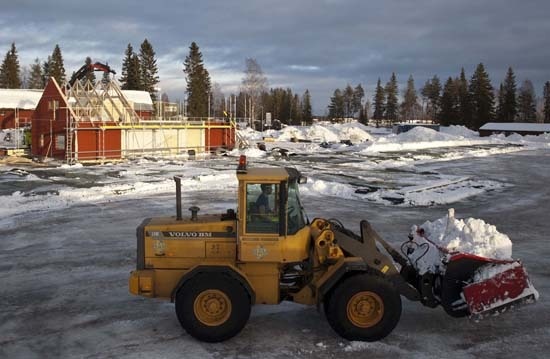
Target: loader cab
pixel 272 223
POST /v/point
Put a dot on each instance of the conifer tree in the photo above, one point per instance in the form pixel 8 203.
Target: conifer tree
pixel 336 109
pixel 527 111
pixel 431 92
pixel 295 110
pixel 306 107
pixel 365 112
pixel 56 69
pixel 482 98
pixel 464 103
pixel 357 104
pixel 46 71
pixel 131 70
pixel 198 82
pixel 449 113
pixel 36 80
pixel 546 94
pixel 149 70
pixel 10 71
pixel 348 101
pixel 392 104
pixel 507 106
pixel 500 104
pixel 409 105
pixel 379 97
pixel 286 108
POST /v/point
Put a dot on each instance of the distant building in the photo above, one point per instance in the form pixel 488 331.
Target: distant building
pixel 17 107
pixel 508 128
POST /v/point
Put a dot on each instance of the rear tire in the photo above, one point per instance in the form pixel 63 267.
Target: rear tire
pixel 213 307
pixel 364 307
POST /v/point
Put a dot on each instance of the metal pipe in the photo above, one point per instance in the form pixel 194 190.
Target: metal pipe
pixel 178 197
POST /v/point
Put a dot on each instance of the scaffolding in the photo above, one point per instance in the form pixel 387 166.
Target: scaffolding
pixel 105 106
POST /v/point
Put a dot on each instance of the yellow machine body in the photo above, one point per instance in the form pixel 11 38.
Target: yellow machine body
pixel 169 248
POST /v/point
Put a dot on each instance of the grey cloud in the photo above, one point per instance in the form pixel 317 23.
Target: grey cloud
pixel 349 41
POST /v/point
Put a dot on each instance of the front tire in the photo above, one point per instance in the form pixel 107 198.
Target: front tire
pixel 364 307
pixel 213 307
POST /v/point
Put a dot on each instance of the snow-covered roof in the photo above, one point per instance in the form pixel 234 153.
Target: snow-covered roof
pixel 516 126
pixel 17 98
pixel 140 99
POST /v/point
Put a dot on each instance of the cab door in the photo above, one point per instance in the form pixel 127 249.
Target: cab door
pixel 263 221
pixel 260 234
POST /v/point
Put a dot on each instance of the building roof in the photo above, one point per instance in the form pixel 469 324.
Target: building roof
pixel 19 98
pixel 140 99
pixel 516 127
pixel 28 99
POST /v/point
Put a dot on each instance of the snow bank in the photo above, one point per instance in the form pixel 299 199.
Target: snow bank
pixel 418 138
pixel 419 134
pixel 459 131
pixel 471 235
pixel 326 132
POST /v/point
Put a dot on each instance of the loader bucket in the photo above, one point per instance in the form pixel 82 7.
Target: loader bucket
pixel 498 286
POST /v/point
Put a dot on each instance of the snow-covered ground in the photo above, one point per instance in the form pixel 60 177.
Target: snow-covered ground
pixel 67 242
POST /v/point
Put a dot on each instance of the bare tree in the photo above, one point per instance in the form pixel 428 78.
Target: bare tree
pixel 217 100
pixel 254 83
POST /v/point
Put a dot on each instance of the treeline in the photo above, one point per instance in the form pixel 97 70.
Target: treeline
pixel 203 97
pixel 458 101
pixel 139 71
pixel 251 103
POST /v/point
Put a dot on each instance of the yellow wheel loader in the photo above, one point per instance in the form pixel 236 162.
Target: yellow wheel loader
pixel 215 267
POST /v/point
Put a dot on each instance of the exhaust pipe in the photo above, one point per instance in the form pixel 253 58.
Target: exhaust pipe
pixel 178 197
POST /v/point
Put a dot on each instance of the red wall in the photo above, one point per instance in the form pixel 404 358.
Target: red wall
pixel 7 118
pixel 47 124
pixel 95 143
pixel 219 137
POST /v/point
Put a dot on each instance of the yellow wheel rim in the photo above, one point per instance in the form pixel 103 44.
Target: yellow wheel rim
pixel 212 307
pixel 365 309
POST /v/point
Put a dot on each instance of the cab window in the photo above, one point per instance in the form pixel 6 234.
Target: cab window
pixel 262 208
pixel 295 213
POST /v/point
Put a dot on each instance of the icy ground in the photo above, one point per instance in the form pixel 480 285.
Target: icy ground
pixel 67 245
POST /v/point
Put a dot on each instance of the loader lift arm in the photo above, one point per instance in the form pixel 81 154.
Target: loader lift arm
pixel 87 68
pixel 364 246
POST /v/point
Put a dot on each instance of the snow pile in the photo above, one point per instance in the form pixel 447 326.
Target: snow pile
pixel 248 152
pixel 459 131
pixel 355 132
pixel 322 134
pixel 472 236
pixel 369 140
pixel 419 134
pixel 290 132
pixel 324 188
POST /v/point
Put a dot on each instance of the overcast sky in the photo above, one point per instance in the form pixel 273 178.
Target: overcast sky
pixel 318 45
